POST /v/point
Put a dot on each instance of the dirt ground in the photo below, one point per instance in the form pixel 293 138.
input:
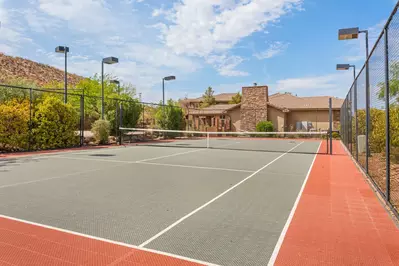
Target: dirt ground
pixel 377 170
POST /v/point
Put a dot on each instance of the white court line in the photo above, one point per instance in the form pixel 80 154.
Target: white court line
pixel 197 167
pixel 291 216
pixel 170 155
pixel 54 177
pixel 212 200
pixel 181 153
pixel 108 240
pixel 93 170
pixel 160 164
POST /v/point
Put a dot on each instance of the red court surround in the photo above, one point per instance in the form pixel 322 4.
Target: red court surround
pixel 26 244
pixel 339 219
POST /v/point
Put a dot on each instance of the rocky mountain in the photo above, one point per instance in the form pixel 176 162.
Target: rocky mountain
pixel 12 68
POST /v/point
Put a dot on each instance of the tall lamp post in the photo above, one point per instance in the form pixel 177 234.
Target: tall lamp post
pixel 163 87
pixel 64 50
pixel 118 83
pixel 349 34
pixel 109 61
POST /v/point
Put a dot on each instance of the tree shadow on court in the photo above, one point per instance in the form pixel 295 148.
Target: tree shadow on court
pixel 5 164
pixel 102 155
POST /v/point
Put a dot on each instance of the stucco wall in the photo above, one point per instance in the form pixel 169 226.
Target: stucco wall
pixel 277 117
pixel 319 119
pixel 235 116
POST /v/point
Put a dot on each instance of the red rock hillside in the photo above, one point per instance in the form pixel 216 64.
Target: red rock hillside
pixel 12 68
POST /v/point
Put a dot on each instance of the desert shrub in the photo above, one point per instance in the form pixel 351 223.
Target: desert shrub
pixel 335 135
pixel 264 126
pixel 14 125
pixel 377 134
pixel 55 124
pixel 101 130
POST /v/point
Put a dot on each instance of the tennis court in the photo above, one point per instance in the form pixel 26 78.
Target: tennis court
pixel 226 206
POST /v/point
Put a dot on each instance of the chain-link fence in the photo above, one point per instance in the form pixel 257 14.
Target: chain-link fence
pixel 370 114
pixel 38 119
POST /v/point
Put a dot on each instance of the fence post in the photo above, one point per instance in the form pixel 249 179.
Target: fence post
pixel 331 123
pixel 120 122
pixel 143 115
pixel 82 120
pixel 387 124
pixel 30 118
pixel 356 120
pixel 367 115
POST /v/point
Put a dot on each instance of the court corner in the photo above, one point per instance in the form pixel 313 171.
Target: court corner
pixel 339 219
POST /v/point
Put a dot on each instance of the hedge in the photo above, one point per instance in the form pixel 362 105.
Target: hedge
pixel 14 125
pixel 55 125
pixel 377 134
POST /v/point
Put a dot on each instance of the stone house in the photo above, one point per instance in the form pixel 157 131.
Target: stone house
pixel 286 111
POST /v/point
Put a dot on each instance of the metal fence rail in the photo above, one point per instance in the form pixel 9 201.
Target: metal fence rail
pixel 370 114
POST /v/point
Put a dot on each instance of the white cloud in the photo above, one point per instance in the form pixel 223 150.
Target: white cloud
pixel 83 15
pixel 336 84
pixel 158 57
pixel 226 65
pixel 206 28
pixel 274 49
pixel 39 22
pixel 12 35
pixel 202 27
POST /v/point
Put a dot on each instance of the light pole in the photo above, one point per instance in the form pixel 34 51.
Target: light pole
pixel 109 61
pixel 118 83
pixel 163 87
pixel 349 34
pixel 64 50
pixel 347 67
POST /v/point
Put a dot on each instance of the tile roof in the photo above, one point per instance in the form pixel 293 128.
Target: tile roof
pixel 222 97
pixel 214 109
pixel 293 102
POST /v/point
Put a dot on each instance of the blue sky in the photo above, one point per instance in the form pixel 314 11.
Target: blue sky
pixel 289 45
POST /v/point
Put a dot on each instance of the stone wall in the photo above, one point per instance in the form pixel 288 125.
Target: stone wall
pixel 253 106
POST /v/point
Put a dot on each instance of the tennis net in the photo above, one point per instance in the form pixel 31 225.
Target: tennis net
pixel 292 142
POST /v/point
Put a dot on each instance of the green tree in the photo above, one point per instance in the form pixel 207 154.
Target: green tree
pixel 9 93
pixel 170 116
pixel 208 98
pixel 393 83
pixel 236 99
pixel 91 88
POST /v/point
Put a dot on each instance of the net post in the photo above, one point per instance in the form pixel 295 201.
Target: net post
pixel 331 124
pixel 207 140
